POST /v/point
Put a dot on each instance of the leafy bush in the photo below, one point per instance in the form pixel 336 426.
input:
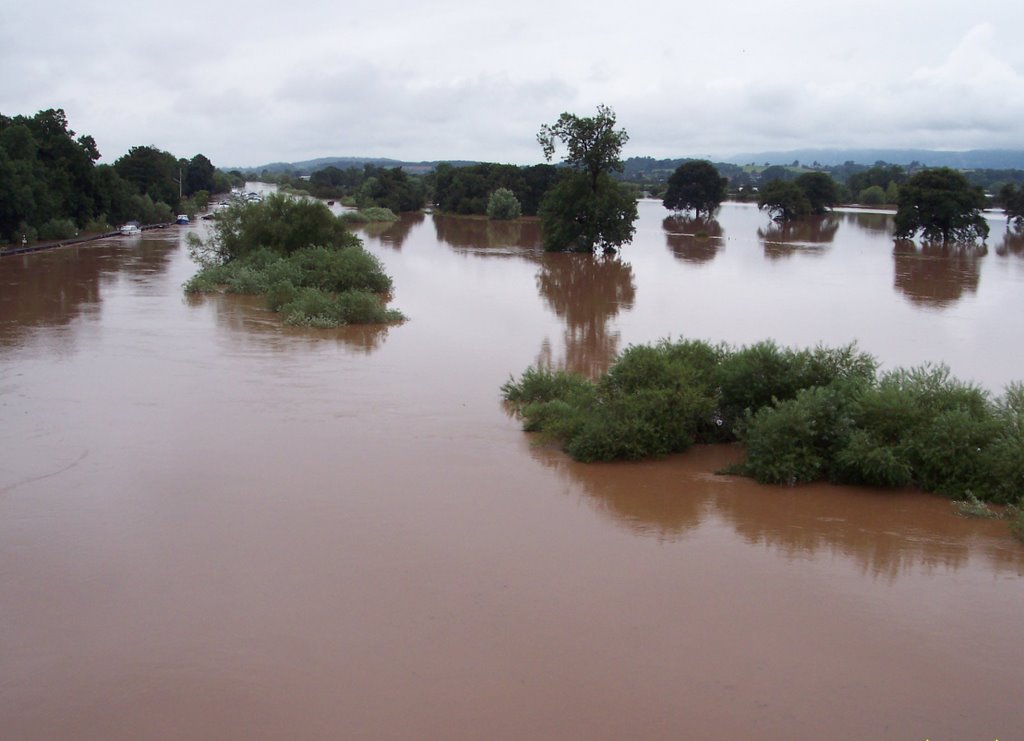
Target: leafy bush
pixel 801 415
pixel 369 215
pixel 316 285
pixel 58 229
pixel 503 205
pixel 279 223
pixel 795 441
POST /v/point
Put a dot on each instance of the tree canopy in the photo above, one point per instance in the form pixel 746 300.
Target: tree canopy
pixel 1011 199
pixel 783 200
pixel 587 209
pixel 821 190
pixel 593 144
pixel 695 185
pixel 942 205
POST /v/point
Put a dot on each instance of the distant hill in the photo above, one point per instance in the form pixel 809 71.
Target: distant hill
pixel 308 167
pixel 983 159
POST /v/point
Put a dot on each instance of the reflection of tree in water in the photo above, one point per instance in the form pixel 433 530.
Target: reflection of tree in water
pixel 936 275
pixel 805 235
pixel 882 531
pixel 1011 243
pixel 394 233
pixel 53 288
pixel 585 291
pixel 886 533
pixel 249 320
pixel 476 232
pixel 693 239
pixel 879 223
pixel 657 498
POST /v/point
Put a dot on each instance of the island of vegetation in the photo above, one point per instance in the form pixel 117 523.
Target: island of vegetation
pixel 300 256
pixel 801 416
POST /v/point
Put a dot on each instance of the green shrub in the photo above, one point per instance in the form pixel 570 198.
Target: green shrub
pixel 543 385
pixel 503 205
pixel 795 441
pixel 340 270
pixel 58 229
pixel 248 280
pixel 279 293
pixel 279 223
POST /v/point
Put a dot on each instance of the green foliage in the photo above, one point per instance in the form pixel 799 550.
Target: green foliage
pixel 587 210
pixel 300 256
pixel 1011 198
pixel 821 190
pixel 312 307
pixel 802 415
pixel 278 223
pixel 593 144
pixel 369 215
pixel 503 205
pixel 873 195
pixel 783 200
pixel 794 440
pixel 466 190
pixel 578 218
pixel 58 229
pixel 695 185
pixel 942 205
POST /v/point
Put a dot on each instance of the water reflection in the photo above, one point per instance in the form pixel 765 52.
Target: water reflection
pixel 693 239
pixel 476 232
pixel 394 233
pixel 870 221
pixel 52 289
pixel 936 275
pixel 887 533
pixel 646 498
pixel 249 321
pixel 585 291
pixel 1011 243
pixel 806 236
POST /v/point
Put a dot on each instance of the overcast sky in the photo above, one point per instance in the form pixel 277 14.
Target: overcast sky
pixel 247 83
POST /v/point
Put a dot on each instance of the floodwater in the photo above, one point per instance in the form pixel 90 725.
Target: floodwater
pixel 212 526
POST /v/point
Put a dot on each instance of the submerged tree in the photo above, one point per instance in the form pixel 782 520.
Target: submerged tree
pixel 784 200
pixel 1012 200
pixel 587 209
pixel 695 185
pixel 942 205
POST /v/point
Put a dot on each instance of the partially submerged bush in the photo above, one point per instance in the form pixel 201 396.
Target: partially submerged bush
pixel 279 224
pixel 802 416
pixel 311 282
pixel 370 215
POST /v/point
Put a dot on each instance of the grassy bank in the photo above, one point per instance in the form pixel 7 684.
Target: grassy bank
pixel 802 415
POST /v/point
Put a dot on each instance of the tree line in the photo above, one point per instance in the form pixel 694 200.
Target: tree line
pixel 52 188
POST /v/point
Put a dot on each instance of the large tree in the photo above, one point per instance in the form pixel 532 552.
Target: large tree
pixel 821 190
pixel 942 205
pixel 695 185
pixel 783 200
pixel 153 172
pixel 587 209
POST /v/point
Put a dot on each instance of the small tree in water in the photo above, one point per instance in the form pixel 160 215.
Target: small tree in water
pixel 503 205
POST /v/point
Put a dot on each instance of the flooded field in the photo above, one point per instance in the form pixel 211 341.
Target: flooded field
pixel 215 526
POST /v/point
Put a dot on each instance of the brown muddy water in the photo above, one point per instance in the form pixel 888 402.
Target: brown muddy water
pixel 212 526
